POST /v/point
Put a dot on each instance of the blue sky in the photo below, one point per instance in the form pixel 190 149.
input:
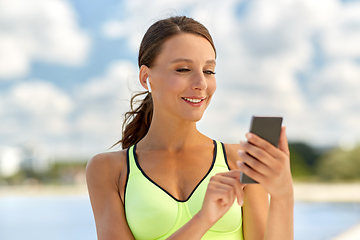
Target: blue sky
pixel 68 67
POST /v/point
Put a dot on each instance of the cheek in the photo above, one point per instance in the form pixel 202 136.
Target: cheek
pixel 169 87
pixel 175 84
pixel 212 87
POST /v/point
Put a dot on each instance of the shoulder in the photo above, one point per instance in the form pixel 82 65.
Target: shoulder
pixel 104 177
pixel 107 164
pixel 231 154
pixel 108 159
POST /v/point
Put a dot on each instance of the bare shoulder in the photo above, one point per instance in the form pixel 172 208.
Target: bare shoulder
pixel 109 165
pixel 107 161
pixel 232 155
pixel 105 177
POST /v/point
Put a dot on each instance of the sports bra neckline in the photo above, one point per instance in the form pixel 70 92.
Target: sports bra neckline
pixel 152 181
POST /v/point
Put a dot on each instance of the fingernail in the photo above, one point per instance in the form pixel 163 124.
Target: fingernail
pixel 249 135
pixel 238 163
pixel 241 203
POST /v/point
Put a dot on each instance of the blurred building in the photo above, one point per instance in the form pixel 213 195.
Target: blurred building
pixel 10 160
pixel 30 156
pixel 35 158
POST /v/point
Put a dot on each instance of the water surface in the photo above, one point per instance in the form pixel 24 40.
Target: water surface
pixel 70 218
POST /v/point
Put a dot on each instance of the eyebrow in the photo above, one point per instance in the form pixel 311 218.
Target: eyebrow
pixel 191 61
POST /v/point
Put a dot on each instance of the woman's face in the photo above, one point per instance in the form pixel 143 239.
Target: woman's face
pixel 182 77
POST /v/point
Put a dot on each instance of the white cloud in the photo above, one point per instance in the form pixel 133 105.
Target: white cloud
pixel 13 61
pixel 101 103
pixel 114 29
pixel 42 30
pixel 40 98
pixel 81 123
pixel 342 35
pixel 35 110
pixel 263 60
pixel 260 57
pixel 115 82
pixel 139 15
pixel 336 100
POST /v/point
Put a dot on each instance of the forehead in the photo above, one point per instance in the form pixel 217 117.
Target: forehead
pixel 187 46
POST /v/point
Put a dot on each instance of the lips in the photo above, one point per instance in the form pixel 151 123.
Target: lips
pixel 194 100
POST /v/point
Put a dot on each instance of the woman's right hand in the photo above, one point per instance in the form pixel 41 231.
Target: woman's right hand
pixel 221 193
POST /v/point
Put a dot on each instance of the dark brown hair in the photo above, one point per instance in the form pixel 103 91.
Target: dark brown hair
pixel 138 119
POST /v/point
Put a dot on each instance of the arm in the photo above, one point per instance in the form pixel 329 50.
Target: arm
pixel 256 202
pixel 270 166
pixel 102 176
pixel 280 223
pixel 255 212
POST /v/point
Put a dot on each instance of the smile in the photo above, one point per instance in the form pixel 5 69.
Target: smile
pixel 193 100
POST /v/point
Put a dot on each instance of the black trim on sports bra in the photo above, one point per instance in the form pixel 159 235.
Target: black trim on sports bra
pixel 128 172
pixel 142 171
pixel 225 156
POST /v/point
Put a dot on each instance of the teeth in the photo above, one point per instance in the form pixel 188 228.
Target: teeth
pixel 193 100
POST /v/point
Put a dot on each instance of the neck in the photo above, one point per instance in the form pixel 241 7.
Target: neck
pixel 170 134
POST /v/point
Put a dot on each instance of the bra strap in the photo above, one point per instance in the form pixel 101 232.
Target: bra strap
pixel 132 167
pixel 221 158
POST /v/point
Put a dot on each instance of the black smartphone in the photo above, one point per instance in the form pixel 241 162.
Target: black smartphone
pixel 267 128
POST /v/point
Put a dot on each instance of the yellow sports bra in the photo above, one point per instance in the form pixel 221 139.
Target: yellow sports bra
pixel 153 213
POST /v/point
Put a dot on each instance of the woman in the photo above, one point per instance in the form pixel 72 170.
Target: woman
pixel 172 182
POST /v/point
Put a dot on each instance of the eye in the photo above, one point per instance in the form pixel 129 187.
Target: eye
pixel 182 70
pixel 209 72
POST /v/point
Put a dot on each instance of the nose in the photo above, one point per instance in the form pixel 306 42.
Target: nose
pixel 199 81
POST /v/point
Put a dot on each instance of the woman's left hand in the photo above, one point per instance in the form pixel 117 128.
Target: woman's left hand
pixel 269 165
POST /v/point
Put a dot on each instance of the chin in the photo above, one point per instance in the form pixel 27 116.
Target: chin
pixel 195 117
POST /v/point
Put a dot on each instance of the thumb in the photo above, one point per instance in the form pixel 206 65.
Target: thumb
pixel 283 142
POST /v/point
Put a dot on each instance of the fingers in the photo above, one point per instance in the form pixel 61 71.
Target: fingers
pixel 236 185
pixel 256 157
pixel 229 182
pixel 261 159
pixel 233 174
pixel 261 143
pixel 222 193
pixel 254 163
pixel 251 172
pixel 267 164
pixel 255 144
pixel 283 142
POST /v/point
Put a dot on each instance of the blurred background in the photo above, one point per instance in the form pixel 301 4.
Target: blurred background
pixel 69 67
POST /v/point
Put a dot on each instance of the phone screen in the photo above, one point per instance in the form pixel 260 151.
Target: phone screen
pixel 267 128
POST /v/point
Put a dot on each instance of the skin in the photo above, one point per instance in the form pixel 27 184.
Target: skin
pixel 184 69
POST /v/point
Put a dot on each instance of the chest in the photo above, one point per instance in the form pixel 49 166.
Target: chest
pixel 153 213
pixel 177 174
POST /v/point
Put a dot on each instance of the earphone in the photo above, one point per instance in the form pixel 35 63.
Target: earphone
pixel 148 84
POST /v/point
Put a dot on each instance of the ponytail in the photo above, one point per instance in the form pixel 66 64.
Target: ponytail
pixel 137 121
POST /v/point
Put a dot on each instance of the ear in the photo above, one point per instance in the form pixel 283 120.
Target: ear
pixel 143 75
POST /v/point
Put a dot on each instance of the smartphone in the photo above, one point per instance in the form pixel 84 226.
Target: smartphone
pixel 267 128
